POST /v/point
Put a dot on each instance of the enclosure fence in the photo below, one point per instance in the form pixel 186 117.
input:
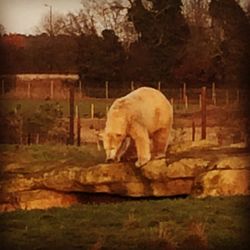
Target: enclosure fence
pixel 81 101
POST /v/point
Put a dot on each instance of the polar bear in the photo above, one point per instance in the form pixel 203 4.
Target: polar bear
pixel 144 116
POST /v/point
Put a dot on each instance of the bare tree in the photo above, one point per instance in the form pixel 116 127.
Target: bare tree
pixel 94 17
pixel 111 14
pixel 247 7
pixel 50 24
pixel 2 30
pixel 196 12
pixel 77 24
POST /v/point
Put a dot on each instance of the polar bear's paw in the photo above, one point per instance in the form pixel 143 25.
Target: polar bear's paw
pixel 141 162
pixel 159 156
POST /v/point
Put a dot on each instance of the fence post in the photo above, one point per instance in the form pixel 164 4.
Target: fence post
pixel 193 131
pixel 107 89
pixel 3 89
pixel 184 91
pixel 37 138
pixel 21 131
pixel 159 86
pixel 200 101
pixel 51 89
pixel 203 113
pixel 213 94
pixel 78 125
pixel 71 114
pixel 92 111
pixel 107 109
pixel 80 88
pixel 186 102
pixel 29 139
pixel 28 90
pixel 132 87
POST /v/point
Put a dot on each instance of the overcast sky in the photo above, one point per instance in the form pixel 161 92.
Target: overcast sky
pixel 22 16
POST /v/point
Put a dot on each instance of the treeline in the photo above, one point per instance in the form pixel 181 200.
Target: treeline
pixel 159 40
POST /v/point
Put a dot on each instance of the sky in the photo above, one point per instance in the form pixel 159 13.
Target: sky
pixel 22 16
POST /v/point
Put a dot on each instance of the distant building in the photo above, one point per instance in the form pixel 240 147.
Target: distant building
pixel 37 86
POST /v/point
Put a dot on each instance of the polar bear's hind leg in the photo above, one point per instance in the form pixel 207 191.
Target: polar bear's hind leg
pixel 160 143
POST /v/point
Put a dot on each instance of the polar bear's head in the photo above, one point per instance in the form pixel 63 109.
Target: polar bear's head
pixel 115 134
pixel 115 146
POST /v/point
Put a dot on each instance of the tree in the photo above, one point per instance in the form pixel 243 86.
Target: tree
pixel 110 15
pixel 163 32
pixel 248 10
pixel 228 16
pixel 99 55
pixel 101 58
pixel 2 30
pixel 50 24
pixel 43 119
pixel 201 48
pixel 196 13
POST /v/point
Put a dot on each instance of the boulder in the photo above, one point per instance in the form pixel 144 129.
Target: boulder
pixel 184 168
pixel 36 199
pixel 117 178
pixel 187 146
pixel 222 183
pixel 61 185
pixel 234 162
pixel 227 176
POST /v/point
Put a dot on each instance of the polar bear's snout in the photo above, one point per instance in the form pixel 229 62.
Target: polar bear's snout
pixel 111 155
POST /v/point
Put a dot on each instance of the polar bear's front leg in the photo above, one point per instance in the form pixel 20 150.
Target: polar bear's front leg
pixel 122 150
pixel 142 143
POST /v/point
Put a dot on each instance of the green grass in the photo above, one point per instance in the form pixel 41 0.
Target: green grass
pixel 40 157
pixel 213 223
pixel 147 224
pixel 28 107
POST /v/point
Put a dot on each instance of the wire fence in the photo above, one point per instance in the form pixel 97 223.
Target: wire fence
pixel 57 89
pixel 94 102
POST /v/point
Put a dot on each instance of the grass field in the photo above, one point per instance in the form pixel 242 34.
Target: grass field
pixel 211 223
pixel 32 158
pixel 190 223
pixel 29 106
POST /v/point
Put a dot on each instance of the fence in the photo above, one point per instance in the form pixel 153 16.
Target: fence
pixel 40 87
pixel 183 99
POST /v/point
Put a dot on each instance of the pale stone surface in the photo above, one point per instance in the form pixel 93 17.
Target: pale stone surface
pixel 223 183
pixel 187 168
pixel 172 187
pixel 234 162
pixel 37 199
pixel 186 146
pixel 183 168
pixel 160 178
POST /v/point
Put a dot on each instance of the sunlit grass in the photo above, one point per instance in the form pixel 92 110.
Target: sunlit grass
pixel 213 223
pixel 40 156
pixel 29 106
